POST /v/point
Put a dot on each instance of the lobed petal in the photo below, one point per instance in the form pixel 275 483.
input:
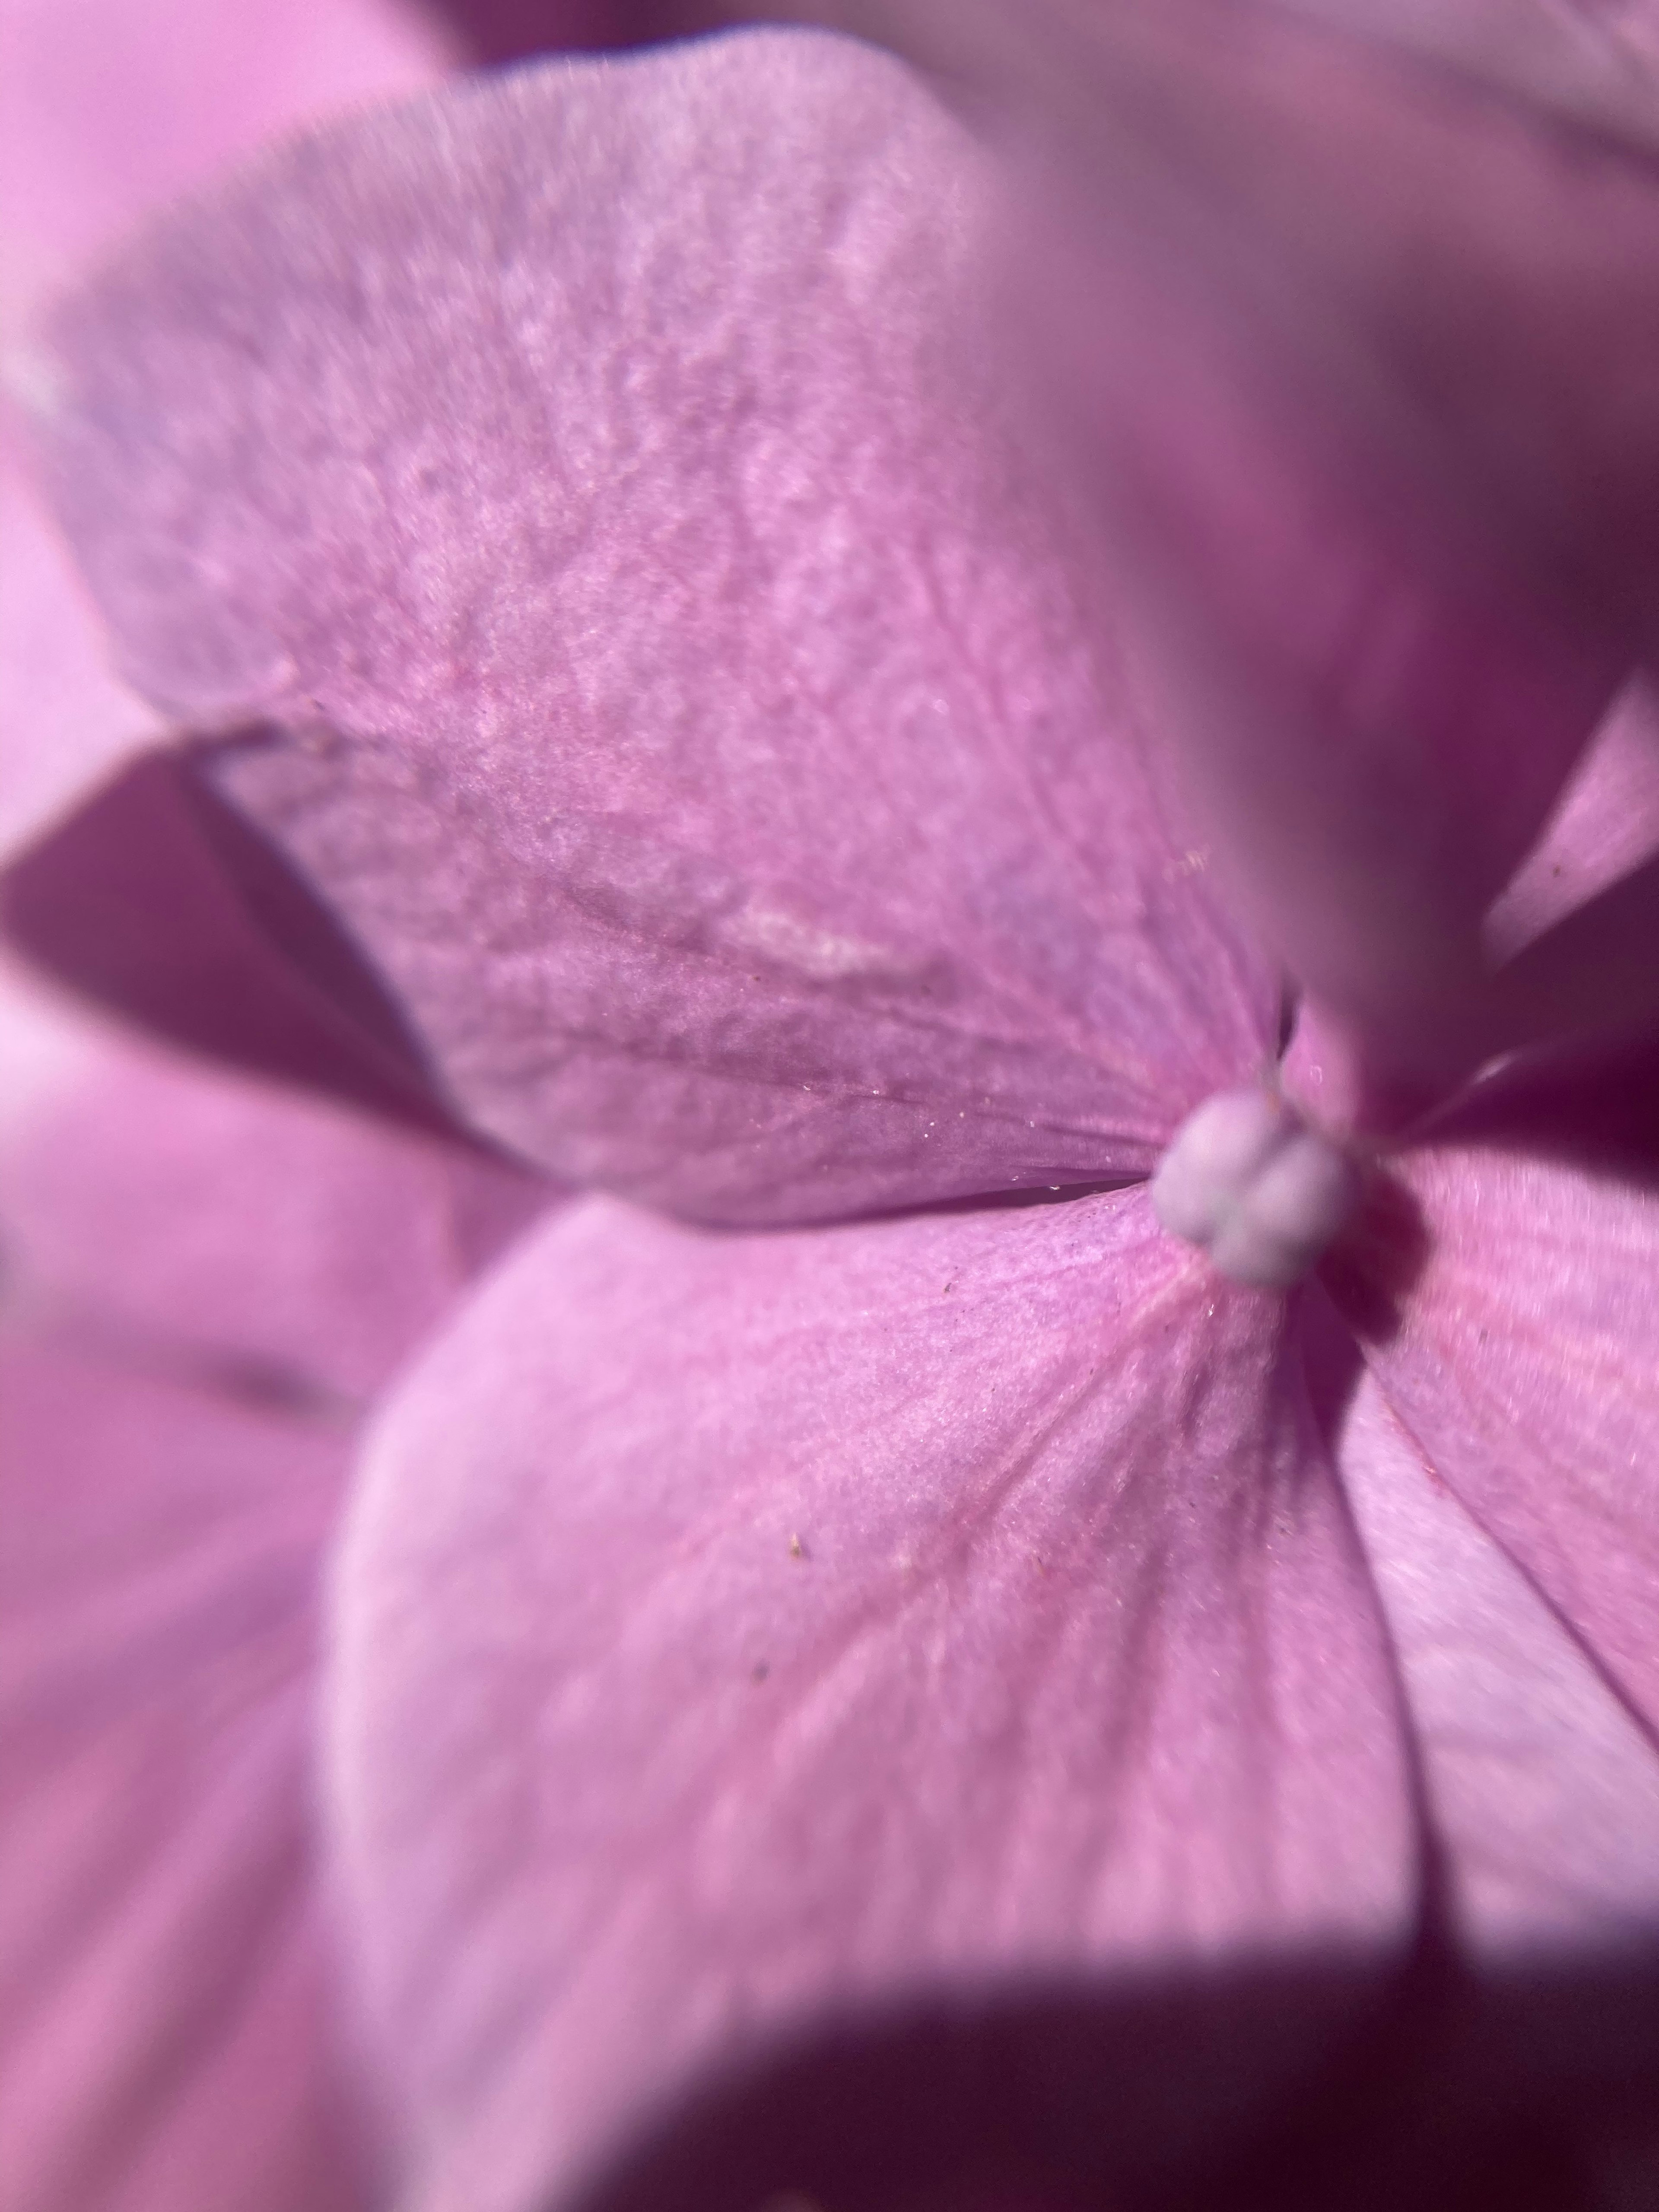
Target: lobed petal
pixel 741 1638
pixel 669 672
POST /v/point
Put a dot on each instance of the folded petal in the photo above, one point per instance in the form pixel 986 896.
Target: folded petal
pixel 669 672
pixel 736 1636
pixel 1522 1369
pixel 1542 1784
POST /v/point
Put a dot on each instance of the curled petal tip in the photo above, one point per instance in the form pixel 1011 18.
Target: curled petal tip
pixel 1249 1183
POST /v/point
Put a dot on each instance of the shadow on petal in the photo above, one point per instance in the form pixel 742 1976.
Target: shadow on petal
pixel 156 900
pixel 1533 2090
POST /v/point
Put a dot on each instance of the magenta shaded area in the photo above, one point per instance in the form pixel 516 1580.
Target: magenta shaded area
pixel 509 30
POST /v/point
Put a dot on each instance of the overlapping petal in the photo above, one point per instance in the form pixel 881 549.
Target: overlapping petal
pixel 1542 1784
pixel 675 685
pixel 739 1634
pixel 1522 1372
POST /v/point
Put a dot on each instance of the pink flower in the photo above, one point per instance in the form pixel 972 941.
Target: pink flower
pixel 837 1681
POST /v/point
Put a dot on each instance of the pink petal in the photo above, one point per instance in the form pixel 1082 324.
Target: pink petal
pixel 64 719
pixel 1598 66
pixel 672 685
pixel 1543 1786
pixel 169 2038
pixel 1340 347
pixel 205 1281
pixel 1523 1370
pixel 1606 826
pixel 107 110
pixel 740 1636
pixel 190 1216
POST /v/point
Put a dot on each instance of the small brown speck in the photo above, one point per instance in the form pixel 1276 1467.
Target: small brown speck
pixel 759 1671
pixel 796 1549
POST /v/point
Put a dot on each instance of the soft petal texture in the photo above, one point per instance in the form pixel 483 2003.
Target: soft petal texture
pixel 1522 1369
pixel 736 1635
pixel 109 109
pixel 205 1281
pixel 670 682
pixel 1542 1784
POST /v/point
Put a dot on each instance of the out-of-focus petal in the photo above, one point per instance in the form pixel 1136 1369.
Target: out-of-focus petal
pixel 107 108
pixel 507 30
pixel 169 1990
pixel 1597 67
pixel 1606 826
pixel 1543 1784
pixel 670 678
pixel 736 1635
pixel 1342 347
pixel 64 719
pixel 205 1281
pixel 165 1207
pixel 1522 1369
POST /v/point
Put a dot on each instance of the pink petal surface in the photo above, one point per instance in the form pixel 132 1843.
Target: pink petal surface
pixel 183 1215
pixel 205 1282
pixel 64 719
pixel 107 110
pixel 169 1988
pixel 1543 1786
pixel 736 1636
pixel 675 690
pixel 1523 1372
pixel 1339 348
pixel 1595 65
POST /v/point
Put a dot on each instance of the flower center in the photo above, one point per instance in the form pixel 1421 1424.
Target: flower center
pixel 1250 1183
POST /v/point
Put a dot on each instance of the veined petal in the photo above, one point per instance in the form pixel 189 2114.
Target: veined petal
pixel 670 675
pixel 740 1635
pixel 1523 1371
pixel 1543 1783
